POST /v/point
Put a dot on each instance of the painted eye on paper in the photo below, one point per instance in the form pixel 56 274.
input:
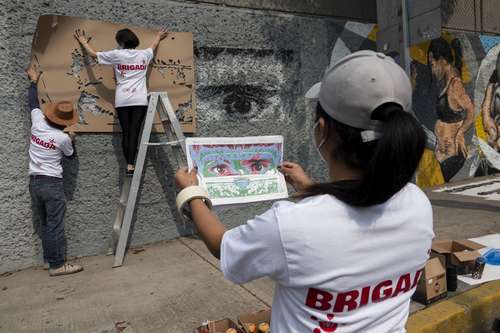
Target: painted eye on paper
pixel 220 169
pixel 257 166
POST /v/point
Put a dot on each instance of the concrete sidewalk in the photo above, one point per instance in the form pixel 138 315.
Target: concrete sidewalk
pixel 166 287
pixel 174 286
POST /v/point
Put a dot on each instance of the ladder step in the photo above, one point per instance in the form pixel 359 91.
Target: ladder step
pixel 170 143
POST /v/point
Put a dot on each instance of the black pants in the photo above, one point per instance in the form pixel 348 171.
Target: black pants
pixel 131 118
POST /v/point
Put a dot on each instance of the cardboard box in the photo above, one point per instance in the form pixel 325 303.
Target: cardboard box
pixel 219 326
pixel 432 285
pixel 460 253
pixel 263 316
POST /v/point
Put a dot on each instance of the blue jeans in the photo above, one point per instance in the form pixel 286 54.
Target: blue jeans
pixel 49 204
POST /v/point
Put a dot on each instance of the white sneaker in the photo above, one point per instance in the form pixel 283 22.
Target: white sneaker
pixel 65 269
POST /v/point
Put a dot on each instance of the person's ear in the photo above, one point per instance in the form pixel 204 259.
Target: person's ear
pixel 322 129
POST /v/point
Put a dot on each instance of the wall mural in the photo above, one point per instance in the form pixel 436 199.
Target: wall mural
pixel 237 84
pixel 456 97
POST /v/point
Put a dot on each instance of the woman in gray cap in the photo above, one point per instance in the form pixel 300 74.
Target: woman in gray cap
pixel 349 254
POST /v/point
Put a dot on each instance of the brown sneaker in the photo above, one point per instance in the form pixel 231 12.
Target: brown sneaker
pixel 65 269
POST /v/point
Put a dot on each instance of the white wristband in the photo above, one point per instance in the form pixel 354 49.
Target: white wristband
pixel 187 195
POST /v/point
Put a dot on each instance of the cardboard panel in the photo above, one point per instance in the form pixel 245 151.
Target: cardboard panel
pixel 70 74
pixel 432 284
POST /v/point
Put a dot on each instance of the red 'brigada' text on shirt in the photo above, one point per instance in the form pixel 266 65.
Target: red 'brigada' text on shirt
pixel 351 300
pixel 49 145
pixel 131 67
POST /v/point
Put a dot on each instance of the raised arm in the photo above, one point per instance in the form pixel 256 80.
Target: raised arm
pixel 159 36
pixel 33 75
pixel 84 42
pixel 488 122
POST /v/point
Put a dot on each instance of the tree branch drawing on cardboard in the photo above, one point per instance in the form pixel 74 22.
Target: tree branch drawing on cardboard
pixel 70 74
pixel 239 170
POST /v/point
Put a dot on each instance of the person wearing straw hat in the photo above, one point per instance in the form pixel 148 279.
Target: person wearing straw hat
pixel 347 257
pixel 48 144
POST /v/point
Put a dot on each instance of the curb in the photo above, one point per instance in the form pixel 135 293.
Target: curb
pixel 470 312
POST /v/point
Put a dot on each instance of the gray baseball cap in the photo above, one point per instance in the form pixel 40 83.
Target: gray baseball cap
pixel 357 84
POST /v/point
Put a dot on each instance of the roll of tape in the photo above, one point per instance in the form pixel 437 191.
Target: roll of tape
pixel 188 194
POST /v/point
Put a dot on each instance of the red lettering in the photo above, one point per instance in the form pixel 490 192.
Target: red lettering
pixel 365 296
pixel 318 299
pixel 417 277
pixel 376 296
pixel 403 280
pixel 143 67
pixel 46 145
pixel 348 298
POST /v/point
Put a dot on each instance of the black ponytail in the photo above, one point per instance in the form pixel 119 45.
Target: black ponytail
pixel 387 164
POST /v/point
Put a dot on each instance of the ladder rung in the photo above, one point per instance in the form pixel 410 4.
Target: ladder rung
pixel 169 143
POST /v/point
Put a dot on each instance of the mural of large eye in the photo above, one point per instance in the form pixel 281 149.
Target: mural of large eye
pixel 247 84
pixel 238 99
pixel 241 98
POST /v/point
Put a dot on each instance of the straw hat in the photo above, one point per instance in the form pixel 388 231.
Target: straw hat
pixel 62 113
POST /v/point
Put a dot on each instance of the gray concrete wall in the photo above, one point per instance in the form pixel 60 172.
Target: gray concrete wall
pixel 360 10
pixel 271 58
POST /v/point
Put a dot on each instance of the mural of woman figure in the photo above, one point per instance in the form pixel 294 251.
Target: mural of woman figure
pixel 454 108
pixel 490 109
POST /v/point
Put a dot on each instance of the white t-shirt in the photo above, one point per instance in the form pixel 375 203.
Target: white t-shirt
pixel 337 268
pixel 131 67
pixel 47 145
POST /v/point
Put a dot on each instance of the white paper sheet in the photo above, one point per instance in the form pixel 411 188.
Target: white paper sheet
pixel 491 272
pixel 238 170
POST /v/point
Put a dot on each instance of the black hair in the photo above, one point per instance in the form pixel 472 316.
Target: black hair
pixel 127 39
pixel 386 164
pixel 451 52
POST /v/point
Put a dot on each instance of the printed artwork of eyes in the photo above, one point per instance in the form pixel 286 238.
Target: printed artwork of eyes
pixel 257 166
pixel 252 166
pixel 220 168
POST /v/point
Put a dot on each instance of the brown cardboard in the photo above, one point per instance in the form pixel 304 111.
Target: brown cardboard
pixel 263 316
pixel 432 284
pixel 457 252
pixel 219 326
pixel 69 75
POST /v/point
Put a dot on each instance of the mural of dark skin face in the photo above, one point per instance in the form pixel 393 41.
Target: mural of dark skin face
pixel 450 134
pixel 490 109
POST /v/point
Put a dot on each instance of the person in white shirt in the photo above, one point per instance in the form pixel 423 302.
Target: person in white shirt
pixel 131 95
pixel 48 144
pixel 346 257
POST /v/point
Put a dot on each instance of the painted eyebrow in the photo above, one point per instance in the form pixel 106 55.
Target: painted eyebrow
pixel 213 73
